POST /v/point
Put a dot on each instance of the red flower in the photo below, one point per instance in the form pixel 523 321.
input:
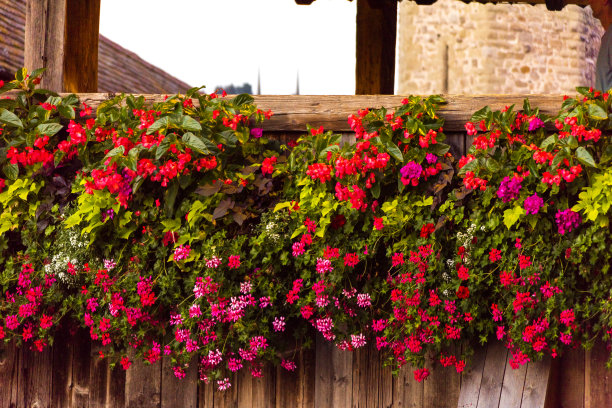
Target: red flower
pixel 427 230
pixel 267 167
pixel 463 292
pixel 421 374
pixel 378 223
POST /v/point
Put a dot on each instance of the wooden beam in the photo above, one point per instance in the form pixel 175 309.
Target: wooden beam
pixel 376 33
pixel 62 35
pixel 44 40
pixel 81 46
pixel 294 112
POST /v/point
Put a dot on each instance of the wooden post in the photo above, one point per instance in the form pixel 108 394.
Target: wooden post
pixel 376 32
pixel 62 35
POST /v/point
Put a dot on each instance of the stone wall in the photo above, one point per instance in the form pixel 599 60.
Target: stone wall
pixel 458 48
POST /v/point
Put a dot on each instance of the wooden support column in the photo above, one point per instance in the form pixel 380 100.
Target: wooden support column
pixel 376 33
pixel 62 35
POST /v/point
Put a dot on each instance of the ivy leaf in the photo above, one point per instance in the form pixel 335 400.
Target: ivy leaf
pixel 10 118
pixel 49 129
pixel 585 157
pixel 597 112
pixel 512 215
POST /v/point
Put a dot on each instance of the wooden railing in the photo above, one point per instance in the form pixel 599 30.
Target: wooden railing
pixel 71 373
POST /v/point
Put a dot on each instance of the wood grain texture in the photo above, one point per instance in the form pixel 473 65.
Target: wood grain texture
pixel 375 46
pixel 44 40
pixel 293 112
pixel 81 46
pixel 324 380
pixel 9 374
pixel 307 369
pixel 81 368
pixel 179 392
pixel 598 389
pixel 263 389
pixel 35 378
pixel 61 387
pixel 512 388
pixel 143 385
pixel 407 392
pixel 536 384
pixel 99 373
pixel 205 395
pixel 571 386
pixel 492 375
pixel 442 388
pixel 471 379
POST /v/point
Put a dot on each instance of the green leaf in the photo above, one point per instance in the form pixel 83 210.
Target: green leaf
pixel 582 90
pixel 512 215
pixel 394 151
pixel 11 171
pixel 190 124
pixel 162 148
pixel 170 198
pixel 585 157
pixel 550 140
pixel 597 112
pixel 8 86
pixel 480 114
pixel 160 123
pixel 332 148
pixel 117 151
pixel 10 118
pixel 21 74
pixel 49 129
pixel 493 165
pixel 242 99
pixel 439 149
pixel 375 190
pixel 66 111
pixel 195 143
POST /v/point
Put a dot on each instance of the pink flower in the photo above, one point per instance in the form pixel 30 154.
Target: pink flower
pixel 298 248
pixel 233 261
pixel 567 317
pixel 181 252
pixel 288 365
pixel 358 340
pixel 324 265
pixel 224 384
pixel 364 300
pixel 279 324
pixel 421 374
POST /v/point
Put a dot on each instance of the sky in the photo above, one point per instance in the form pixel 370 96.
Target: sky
pixel 221 42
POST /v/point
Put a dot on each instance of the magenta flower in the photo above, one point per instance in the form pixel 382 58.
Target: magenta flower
pixel 533 204
pixel 257 132
pixel 567 220
pixel 411 170
pixel 509 189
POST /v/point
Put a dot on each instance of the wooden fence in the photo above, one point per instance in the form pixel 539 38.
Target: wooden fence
pixel 71 373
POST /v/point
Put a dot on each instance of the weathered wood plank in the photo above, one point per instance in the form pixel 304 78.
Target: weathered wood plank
pixel 324 373
pixel 307 370
pixel 342 366
pixel 385 397
pixel 98 377
pixel 9 374
pixel 244 385
pixel 512 388
pixel 205 395
pixel 44 40
pixel 536 384
pixel 63 348
pixel 263 389
pixel 81 46
pixel 81 363
pixel 116 387
pixel 35 378
pixel 288 386
pixel 598 389
pixel 143 385
pixel 407 392
pixel 359 386
pixel 178 392
pixel 375 45
pixel 570 390
pixel 471 379
pixel 441 389
pixel 492 375
pixel 294 112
